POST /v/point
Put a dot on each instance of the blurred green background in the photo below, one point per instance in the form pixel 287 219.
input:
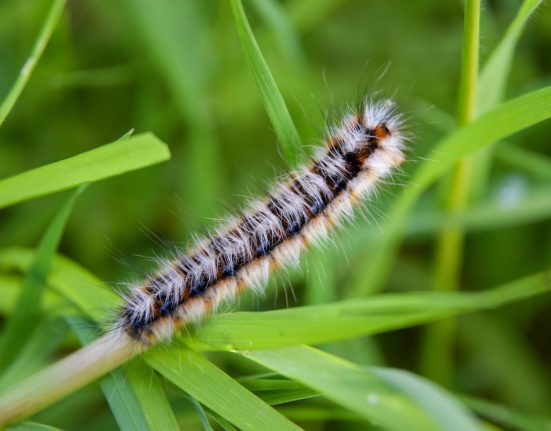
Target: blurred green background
pixel 176 68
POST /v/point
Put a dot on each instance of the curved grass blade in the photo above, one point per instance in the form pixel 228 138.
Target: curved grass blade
pixel 284 127
pixel 508 118
pixel 103 162
pixel 26 71
pixel 88 289
pixel 151 395
pixel 347 319
pixel 492 84
pixel 213 388
pixel 299 325
pixel 107 161
pixel 495 72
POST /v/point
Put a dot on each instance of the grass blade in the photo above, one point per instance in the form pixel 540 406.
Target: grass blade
pixel 299 325
pixel 508 118
pixel 495 72
pixel 353 318
pixel 151 395
pixel 94 165
pixel 284 127
pixel 492 84
pixel 215 389
pixel 26 71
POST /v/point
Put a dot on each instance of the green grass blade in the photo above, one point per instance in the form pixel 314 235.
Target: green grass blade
pixel 299 325
pixel 348 385
pixel 450 414
pixel 109 160
pixel 353 318
pixel 495 72
pixel 26 71
pixel 215 389
pixel 492 84
pixel 151 395
pixel 22 323
pixel 508 118
pixel 137 402
pixel 278 113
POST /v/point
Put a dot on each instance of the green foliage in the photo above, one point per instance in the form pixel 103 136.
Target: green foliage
pixel 214 79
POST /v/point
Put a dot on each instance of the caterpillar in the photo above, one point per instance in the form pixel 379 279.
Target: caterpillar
pixel 366 147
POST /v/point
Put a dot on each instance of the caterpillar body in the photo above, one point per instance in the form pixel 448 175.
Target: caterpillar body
pixel 363 149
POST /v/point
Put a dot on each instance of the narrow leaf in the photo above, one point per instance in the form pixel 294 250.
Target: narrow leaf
pixel 26 71
pixel 495 72
pixel 107 161
pixel 274 104
pixel 508 118
pixel 353 318
pixel 215 389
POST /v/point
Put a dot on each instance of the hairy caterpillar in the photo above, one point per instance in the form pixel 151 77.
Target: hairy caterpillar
pixel 365 148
